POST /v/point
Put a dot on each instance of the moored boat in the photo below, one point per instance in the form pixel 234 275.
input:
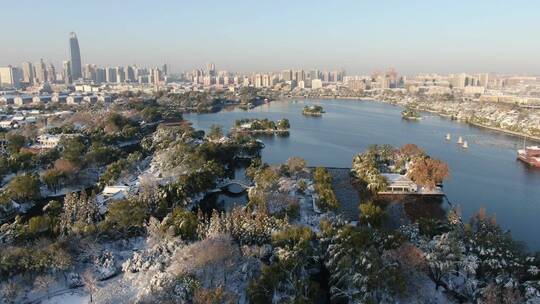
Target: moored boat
pixel 448 137
pixel 530 155
pixel 465 145
pixel 460 140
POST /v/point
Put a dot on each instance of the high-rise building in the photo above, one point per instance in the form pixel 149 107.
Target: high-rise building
pixel 101 76
pixel 258 81
pixel 335 76
pixel 28 72
pixel 9 77
pixel 155 76
pixel 110 74
pixel 51 73
pixel 120 75
pixel 165 70
pixel 266 81
pixel 300 76
pixel 286 75
pixel 211 68
pixel 314 74
pixel 76 66
pixel 89 72
pixel 139 72
pixel 130 74
pixel 458 80
pixel 67 72
pixel 484 78
pixel 41 71
pixel 326 76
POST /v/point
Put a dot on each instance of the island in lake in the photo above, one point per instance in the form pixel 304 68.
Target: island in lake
pixel 410 114
pixel 261 126
pixel 384 169
pixel 313 110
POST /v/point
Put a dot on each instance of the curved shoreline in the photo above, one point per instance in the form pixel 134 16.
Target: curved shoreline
pixel 371 99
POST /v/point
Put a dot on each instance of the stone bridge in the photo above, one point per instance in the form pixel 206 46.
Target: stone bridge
pixel 228 182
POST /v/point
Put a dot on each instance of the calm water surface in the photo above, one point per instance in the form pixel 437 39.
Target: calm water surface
pixel 486 175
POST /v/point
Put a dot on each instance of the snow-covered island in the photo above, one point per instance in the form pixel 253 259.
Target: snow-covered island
pixel 261 126
pixel 314 110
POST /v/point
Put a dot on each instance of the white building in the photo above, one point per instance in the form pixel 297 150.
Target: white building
pixel 39 99
pixel 59 98
pixel 399 183
pixel 22 100
pixel 48 141
pixel 74 99
pixel 316 84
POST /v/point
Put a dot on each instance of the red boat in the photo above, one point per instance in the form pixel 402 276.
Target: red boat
pixel 530 155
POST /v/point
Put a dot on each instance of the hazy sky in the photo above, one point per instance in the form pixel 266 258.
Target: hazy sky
pixel 258 35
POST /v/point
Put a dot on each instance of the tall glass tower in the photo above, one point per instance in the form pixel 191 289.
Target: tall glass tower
pixel 76 68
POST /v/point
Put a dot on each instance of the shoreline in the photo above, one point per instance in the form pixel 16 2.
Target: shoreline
pixel 371 99
pixel 260 131
pixel 508 132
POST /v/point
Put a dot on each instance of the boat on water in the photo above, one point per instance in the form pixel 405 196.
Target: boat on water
pixel 530 155
pixel 448 137
pixel 460 140
pixel 465 145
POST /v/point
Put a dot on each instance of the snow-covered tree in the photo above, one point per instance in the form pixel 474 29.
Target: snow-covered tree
pixel 360 269
pixel 80 212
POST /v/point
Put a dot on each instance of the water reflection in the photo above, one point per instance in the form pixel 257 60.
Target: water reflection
pixel 229 197
pixel 406 209
pixel 485 175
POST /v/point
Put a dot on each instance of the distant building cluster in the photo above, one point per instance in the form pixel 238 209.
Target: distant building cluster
pixel 72 72
pixel 293 78
pixel 40 82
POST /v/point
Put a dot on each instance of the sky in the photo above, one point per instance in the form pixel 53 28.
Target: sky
pixel 258 35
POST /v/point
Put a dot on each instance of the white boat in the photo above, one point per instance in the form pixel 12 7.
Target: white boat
pixel 465 145
pixel 460 140
pixel 448 137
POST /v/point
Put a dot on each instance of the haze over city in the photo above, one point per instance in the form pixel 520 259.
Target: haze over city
pixel 270 152
pixel 246 36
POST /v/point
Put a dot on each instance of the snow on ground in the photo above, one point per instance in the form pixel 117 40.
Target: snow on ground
pixel 72 297
pixel 421 289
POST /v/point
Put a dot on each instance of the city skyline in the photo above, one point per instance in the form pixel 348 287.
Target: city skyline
pixel 241 36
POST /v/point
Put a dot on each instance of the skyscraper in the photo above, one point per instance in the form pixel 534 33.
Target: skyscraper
pixel 51 73
pixel 130 74
pixel 76 67
pixel 66 71
pixel 211 69
pixel 101 75
pixel 110 74
pixel 286 75
pixel 120 75
pixel 28 72
pixel 41 71
pixel 9 77
pixel 165 70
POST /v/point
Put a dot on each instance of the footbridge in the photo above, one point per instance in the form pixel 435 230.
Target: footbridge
pixel 229 182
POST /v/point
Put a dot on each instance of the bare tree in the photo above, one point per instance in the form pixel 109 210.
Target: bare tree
pixel 90 283
pixel 10 291
pixel 43 283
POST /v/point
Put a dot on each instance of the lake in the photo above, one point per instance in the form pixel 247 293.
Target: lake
pixel 485 175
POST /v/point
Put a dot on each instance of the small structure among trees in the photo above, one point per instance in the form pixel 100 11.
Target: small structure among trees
pixel 385 169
